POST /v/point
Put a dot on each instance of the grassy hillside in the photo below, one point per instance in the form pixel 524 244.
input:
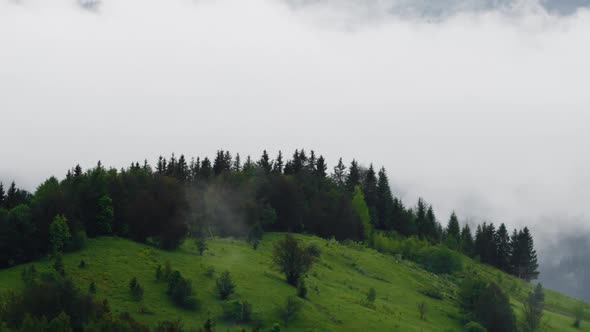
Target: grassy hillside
pixel 342 277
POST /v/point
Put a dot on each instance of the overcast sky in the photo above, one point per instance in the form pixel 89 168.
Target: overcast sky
pixel 478 106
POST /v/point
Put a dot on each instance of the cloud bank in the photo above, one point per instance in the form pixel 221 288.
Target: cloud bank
pixel 478 106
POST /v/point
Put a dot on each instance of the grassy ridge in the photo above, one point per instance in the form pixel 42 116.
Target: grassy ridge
pixel 343 277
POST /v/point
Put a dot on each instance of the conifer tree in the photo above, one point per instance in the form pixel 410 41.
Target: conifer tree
pixel 339 175
pixel 265 163
pixel 248 165
pixel 433 230
pixel 353 178
pixel 237 164
pixel 206 169
pixel 466 241
pixel 2 195
pixel 503 248
pixel 278 164
pixel 530 262
pixel 421 221
pixel 11 201
pixel 533 310
pixel 385 204
pixel 453 232
pixel 182 169
pixel 311 162
pixel 320 168
pixel 370 186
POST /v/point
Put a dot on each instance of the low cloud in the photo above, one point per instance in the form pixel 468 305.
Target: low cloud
pixel 478 106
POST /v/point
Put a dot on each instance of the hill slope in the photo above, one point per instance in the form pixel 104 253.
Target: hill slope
pixel 342 277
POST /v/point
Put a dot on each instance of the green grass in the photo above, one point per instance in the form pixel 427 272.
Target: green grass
pixel 343 277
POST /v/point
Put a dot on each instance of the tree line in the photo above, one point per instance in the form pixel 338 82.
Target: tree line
pixel 228 196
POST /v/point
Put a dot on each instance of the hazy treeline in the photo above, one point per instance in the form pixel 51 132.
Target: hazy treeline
pixel 229 196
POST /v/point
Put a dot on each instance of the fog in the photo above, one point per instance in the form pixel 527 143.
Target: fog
pixel 478 106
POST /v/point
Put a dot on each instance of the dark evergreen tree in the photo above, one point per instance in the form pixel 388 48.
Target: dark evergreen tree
pixel 2 195
pixel 206 170
pixel 421 219
pixel 467 241
pixel 237 164
pixel 453 232
pixel 265 163
pixel 524 257
pixel 311 162
pixel 353 178
pixel 434 229
pixel 503 248
pixel 278 164
pixel 339 175
pixel 385 204
pixel 533 310
pixel 182 171
pixel 320 168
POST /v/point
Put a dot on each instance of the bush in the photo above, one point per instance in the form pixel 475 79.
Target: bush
pixel 474 327
pixel 237 311
pixel 29 275
pixel 314 250
pixel 159 273
pixel 82 264
pixel 58 265
pixel 180 291
pixel 433 293
pixel 422 310
pixel 92 287
pixel 224 285
pixel 170 326
pixel 135 289
pixel 77 241
pixel 289 309
pixel 371 295
pixel 301 288
pixel 440 260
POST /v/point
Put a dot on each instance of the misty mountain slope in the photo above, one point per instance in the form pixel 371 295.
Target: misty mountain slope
pixel 342 278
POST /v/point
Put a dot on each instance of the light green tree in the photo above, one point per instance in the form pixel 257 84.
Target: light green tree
pixel 59 233
pixel 360 206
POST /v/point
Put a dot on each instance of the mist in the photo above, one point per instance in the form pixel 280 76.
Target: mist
pixel 477 106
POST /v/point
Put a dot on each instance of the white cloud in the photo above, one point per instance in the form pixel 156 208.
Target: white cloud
pixel 484 111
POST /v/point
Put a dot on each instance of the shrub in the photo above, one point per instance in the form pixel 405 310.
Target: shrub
pixel 275 328
pixel 77 241
pixel 159 273
pixel 314 250
pixel 135 289
pixel 210 271
pixel 301 288
pixel 237 311
pixel 371 295
pixel 291 258
pixel 224 285
pixel 422 310
pixel 170 326
pixel 440 260
pixel 29 275
pixel 474 327
pixel 578 315
pixel 289 309
pixel 92 287
pixel 180 291
pixel 58 265
pixel 82 264
pixel 433 293
pixel 255 235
